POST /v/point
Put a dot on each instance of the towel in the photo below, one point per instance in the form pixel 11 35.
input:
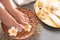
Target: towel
pixel 20 2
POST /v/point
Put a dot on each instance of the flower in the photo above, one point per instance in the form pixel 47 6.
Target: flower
pixel 28 27
pixel 13 31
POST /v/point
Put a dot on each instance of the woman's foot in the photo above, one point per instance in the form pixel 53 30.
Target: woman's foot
pixel 18 15
pixel 9 21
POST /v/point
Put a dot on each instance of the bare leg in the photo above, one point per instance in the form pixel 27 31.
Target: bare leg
pixel 6 18
pixel 19 16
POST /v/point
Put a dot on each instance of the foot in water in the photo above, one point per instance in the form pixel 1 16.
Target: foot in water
pixel 9 21
pixel 18 15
